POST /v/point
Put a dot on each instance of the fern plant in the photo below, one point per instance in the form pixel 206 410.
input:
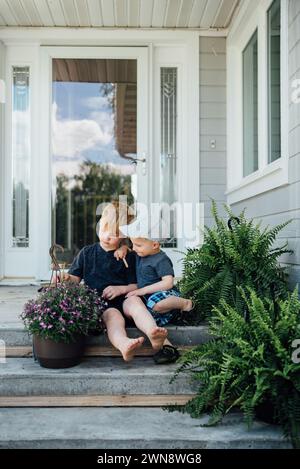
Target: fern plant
pixel 241 256
pixel 249 362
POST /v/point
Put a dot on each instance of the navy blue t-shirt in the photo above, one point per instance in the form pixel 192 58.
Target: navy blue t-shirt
pixel 151 269
pixel 99 268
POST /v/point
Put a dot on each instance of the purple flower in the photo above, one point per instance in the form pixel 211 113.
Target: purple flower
pixel 63 309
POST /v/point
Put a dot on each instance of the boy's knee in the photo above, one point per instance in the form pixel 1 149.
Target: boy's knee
pixel 130 305
pixel 110 314
pixel 131 301
pixel 157 308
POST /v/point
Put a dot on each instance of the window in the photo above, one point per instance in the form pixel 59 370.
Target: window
pixel 257 100
pixel 20 156
pixel 250 125
pixel 168 151
pixel 274 81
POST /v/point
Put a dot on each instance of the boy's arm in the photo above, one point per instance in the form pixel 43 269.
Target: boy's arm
pixel 76 271
pixel 66 278
pixel 121 252
pixel 125 246
pixel 71 278
pixel 166 283
pixel 112 291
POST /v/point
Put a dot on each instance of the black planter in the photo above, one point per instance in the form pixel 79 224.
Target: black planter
pixel 51 354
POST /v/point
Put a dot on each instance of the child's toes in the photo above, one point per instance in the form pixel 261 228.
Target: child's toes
pixel 131 347
pixel 157 337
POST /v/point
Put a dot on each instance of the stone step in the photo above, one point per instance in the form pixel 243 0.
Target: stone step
pixel 94 376
pixel 15 335
pixel 129 428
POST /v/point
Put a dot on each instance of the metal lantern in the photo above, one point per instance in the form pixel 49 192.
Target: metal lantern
pixel 56 268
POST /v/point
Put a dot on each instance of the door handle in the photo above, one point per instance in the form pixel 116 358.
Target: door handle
pixel 137 160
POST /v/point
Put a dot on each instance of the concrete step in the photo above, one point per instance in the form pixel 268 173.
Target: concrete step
pixel 134 428
pixel 15 335
pixel 94 376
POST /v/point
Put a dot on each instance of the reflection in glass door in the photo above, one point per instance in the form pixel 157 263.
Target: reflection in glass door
pixel 94 142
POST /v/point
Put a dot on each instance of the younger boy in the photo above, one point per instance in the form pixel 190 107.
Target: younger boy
pixel 155 279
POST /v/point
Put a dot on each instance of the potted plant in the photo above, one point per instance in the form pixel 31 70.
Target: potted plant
pixel 248 363
pixel 59 319
pixel 233 254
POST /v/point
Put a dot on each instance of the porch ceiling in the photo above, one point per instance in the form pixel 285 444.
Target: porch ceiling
pixel 202 14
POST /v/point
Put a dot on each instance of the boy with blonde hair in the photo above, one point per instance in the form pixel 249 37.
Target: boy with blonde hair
pixel 99 267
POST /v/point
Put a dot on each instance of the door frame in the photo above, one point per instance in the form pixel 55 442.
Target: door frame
pixel 33 40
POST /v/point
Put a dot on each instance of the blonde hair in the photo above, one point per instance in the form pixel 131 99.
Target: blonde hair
pixel 114 215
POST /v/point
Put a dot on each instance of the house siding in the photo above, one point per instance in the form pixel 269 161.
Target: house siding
pixel 212 123
pixel 283 204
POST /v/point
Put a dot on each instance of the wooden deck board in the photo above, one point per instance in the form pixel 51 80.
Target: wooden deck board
pixel 94 401
pixel 91 351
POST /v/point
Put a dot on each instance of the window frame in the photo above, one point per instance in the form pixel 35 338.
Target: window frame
pixel 269 175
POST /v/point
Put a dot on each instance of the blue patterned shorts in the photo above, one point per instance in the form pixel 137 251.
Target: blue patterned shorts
pixel 161 319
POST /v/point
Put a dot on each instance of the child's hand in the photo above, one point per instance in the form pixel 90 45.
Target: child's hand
pixel 121 253
pixel 134 293
pixel 61 277
pixel 64 277
pixel 111 292
pixel 55 279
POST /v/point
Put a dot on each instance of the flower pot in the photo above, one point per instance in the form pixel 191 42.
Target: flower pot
pixel 51 354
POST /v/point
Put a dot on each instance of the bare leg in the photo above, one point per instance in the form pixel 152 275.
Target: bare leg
pixel 173 302
pixel 116 332
pixel 134 308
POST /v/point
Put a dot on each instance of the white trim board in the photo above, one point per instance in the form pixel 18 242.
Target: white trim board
pixel 2 153
pixel 98 36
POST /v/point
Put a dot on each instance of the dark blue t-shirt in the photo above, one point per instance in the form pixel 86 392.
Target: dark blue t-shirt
pixel 151 269
pixel 99 268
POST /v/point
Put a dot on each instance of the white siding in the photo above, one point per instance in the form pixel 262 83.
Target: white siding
pixel 284 203
pixel 212 123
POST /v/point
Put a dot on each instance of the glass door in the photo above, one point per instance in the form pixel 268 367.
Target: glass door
pixel 98 139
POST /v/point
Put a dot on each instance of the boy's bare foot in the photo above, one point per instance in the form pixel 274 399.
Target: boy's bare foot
pixel 130 347
pixel 188 306
pixel 157 337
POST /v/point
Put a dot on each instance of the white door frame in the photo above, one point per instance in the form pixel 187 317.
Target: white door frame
pixel 2 153
pixel 45 170
pixel 31 40
pixel 20 261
